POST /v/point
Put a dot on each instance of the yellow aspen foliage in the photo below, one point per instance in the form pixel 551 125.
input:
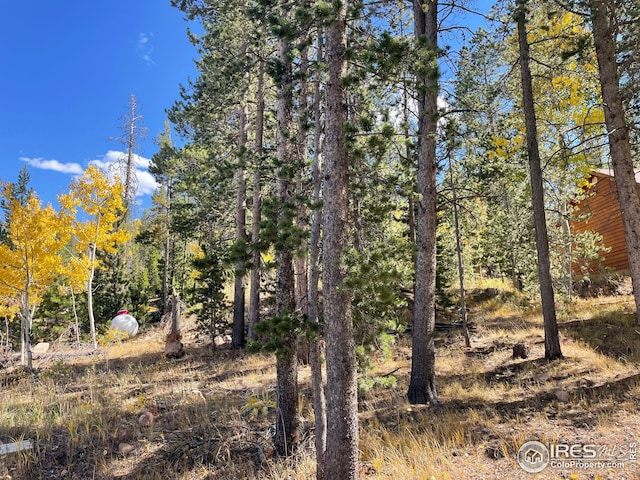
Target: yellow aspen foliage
pixel 8 307
pixel 37 236
pixel 31 261
pixel 565 87
pixel 100 201
pixel 95 207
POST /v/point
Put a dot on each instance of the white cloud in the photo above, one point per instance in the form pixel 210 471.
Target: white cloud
pixel 144 48
pixel 143 162
pixel 146 182
pixel 55 165
pixel 107 163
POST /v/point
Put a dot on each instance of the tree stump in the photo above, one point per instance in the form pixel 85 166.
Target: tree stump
pixel 520 350
pixel 173 347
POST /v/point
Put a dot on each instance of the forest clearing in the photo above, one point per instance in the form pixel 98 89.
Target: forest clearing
pixel 210 415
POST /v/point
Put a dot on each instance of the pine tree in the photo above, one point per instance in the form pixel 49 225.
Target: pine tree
pixel 315 349
pixel 422 387
pixel 619 137
pixel 163 166
pixel 341 456
pixel 286 437
pixel 552 340
pixel 256 206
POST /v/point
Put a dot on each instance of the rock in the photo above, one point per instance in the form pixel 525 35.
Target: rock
pixel 625 287
pixel 227 339
pixel 153 409
pixel 122 436
pixel 218 341
pixel 562 396
pixel 125 448
pixel 493 451
pixel 520 350
pixel 199 394
pixel 41 348
pixel 146 419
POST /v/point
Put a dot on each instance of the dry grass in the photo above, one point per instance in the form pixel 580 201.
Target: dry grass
pixel 213 412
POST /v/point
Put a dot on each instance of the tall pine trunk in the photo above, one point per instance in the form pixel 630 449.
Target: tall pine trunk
pixel 286 436
pixel 301 265
pixel 619 144
pixel 422 386
pixel 461 276
pixel 341 455
pixel 315 349
pixel 256 210
pixel 237 337
pixel 551 337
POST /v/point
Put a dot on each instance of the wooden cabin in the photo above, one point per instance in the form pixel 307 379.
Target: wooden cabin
pixel 604 217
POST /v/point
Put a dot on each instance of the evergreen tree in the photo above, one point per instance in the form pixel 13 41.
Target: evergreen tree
pixel 341 456
pixel 422 387
pixel 211 277
pixel 552 339
pixel 619 137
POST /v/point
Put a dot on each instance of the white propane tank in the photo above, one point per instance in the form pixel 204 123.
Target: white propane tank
pixel 125 322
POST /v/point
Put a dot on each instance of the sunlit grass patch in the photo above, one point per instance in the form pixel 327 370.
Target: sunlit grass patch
pixel 210 419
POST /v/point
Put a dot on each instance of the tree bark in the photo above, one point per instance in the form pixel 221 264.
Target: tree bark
pixel 286 437
pixel 422 386
pixel 256 210
pixel 461 276
pixel 75 315
pixel 92 321
pixel 315 349
pixel 300 262
pixel 126 164
pixel 167 252
pixel 411 213
pixel 237 336
pixel 552 349
pixel 619 143
pixel 27 355
pixel 341 456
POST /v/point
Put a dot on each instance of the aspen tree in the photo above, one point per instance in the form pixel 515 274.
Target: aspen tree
pixel 101 202
pixel 31 261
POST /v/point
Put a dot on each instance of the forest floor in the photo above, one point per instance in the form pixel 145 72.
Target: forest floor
pixel 127 412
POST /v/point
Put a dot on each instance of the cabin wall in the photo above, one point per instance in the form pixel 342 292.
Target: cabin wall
pixel 606 219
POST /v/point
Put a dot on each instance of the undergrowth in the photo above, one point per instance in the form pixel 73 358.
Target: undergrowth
pixel 213 412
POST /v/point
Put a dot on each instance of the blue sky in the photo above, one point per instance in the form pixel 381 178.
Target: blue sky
pixel 67 70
